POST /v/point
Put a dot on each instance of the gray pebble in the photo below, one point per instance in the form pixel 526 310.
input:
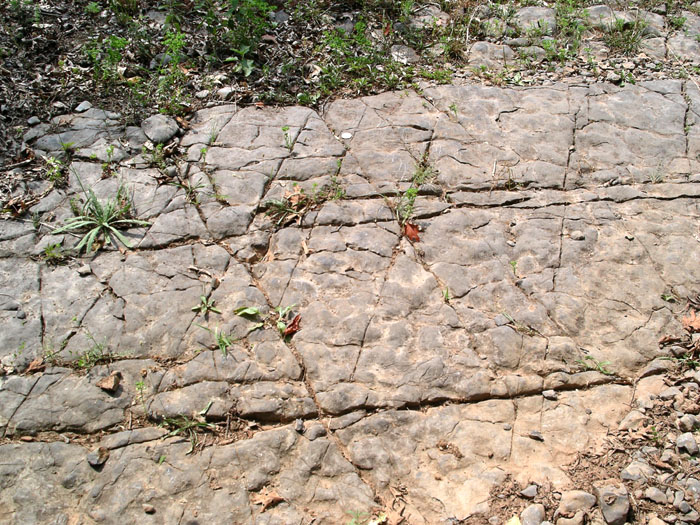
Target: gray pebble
pixel 529 492
pixel 654 494
pixel 550 394
pixel 532 515
pixel 687 442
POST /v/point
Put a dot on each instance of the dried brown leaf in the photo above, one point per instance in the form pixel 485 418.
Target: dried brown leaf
pixel 292 327
pixel 267 498
pixel 410 230
pixel 691 322
pixel 37 365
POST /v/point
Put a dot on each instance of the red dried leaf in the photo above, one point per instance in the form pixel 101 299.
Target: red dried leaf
pixel 691 322
pixel 387 29
pixel 410 230
pixel 293 327
pixel 259 105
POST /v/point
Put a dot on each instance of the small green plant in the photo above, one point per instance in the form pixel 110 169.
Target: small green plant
pixel 140 386
pixel 205 306
pixel 155 157
pixel 591 363
pixel 101 219
pixel 624 37
pixel 247 311
pixel 520 327
pixel 677 22
pixel 93 8
pixel 94 355
pixel 626 77
pixel 107 167
pixel 54 254
pixel 404 207
pixel 282 317
pixel 453 109
pixel 295 204
pixel 191 189
pixel 441 76
pixel 670 297
pixel 55 170
pixel 357 517
pixel 364 518
pixel 223 340
pixel 655 436
pixel 288 142
pixel 423 173
pixel 285 210
pixel 51 355
pixel 514 266
pixel 243 64
pixel 686 361
pixel 657 176
pixel 188 426
pixel 106 56
pixel 446 295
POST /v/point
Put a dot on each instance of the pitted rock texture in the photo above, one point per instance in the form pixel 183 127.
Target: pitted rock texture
pixel 556 220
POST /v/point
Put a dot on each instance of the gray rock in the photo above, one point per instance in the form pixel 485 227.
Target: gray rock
pixel 686 442
pixel 83 106
pixel 529 492
pixel 160 128
pixel 667 456
pixel 532 515
pixel 315 432
pixel 550 394
pixel 637 470
pixel 693 488
pixel 633 420
pixel 536 435
pixel 224 93
pixel 98 457
pixel 404 54
pixel 670 392
pixel 33 121
pixel 429 16
pixel 654 494
pixel 577 519
pixel 540 19
pixel 410 383
pixel 613 501
pixel 281 16
pixel 491 56
pixel 678 498
pixel 573 501
pixel 688 422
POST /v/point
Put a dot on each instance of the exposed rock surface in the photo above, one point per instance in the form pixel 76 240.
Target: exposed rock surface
pixel 513 335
